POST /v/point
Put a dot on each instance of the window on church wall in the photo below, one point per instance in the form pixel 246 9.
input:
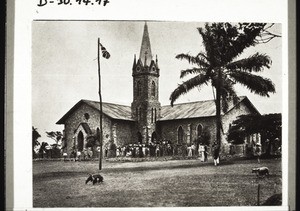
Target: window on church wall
pixel 191 132
pixel 155 115
pixel 153 88
pixel 152 115
pixel 199 130
pixel 139 88
pixel 180 135
pixel 80 141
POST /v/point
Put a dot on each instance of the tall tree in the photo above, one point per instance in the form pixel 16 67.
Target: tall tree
pixel 219 65
pixel 35 136
pixel 55 135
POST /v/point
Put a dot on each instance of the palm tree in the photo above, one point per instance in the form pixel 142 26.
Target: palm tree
pixel 220 67
pixel 56 136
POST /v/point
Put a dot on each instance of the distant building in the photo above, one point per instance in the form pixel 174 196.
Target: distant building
pixel 146 120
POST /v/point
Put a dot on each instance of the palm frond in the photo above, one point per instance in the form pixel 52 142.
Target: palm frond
pixel 184 73
pixel 186 86
pixel 202 55
pixel 193 59
pixel 257 84
pixel 208 43
pixel 224 42
pixel 254 63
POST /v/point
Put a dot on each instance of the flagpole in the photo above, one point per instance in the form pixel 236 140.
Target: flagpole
pixel 100 98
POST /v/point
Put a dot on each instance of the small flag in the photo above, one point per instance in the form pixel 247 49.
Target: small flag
pixel 105 53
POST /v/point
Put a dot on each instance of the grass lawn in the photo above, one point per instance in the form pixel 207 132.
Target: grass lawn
pixel 174 183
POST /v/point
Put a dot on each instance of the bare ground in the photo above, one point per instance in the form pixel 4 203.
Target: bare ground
pixel 173 183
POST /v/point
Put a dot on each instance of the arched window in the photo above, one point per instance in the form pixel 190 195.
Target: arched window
pixel 153 88
pixel 180 135
pixel 80 141
pixel 139 88
pixel 199 130
pixel 152 115
pixel 191 133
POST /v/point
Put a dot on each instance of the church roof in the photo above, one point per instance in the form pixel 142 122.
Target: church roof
pixel 113 111
pixel 189 110
pixel 196 109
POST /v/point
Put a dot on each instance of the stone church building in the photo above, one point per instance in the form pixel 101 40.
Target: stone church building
pixel 146 120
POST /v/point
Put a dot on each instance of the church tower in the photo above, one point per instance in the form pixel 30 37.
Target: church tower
pixel 145 107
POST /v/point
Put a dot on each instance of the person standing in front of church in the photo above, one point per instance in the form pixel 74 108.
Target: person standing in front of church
pixel 216 153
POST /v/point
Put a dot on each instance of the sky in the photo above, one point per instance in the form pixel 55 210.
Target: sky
pixel 64 65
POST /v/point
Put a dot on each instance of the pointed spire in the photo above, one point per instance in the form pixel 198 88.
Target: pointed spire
pixel 145 53
pixel 134 62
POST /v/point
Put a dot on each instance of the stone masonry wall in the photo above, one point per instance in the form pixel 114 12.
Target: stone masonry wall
pixel 123 132
pixel 169 129
pixel 77 117
pixel 229 118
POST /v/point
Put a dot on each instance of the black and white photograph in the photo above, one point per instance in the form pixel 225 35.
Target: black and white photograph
pixel 150 105
pixel 153 113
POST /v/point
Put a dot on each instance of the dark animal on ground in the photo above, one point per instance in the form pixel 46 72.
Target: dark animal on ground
pixel 261 171
pixel 94 178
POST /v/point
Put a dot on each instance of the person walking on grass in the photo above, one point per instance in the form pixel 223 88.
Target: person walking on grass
pixel 216 153
pixel 258 151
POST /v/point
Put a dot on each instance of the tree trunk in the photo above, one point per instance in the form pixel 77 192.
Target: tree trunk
pixel 218 108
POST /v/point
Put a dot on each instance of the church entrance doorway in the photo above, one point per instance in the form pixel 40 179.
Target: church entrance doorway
pixel 154 137
pixel 80 141
pixel 140 137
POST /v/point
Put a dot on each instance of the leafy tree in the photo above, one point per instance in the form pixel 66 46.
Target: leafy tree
pixel 219 65
pixel 56 136
pixel 268 125
pixel 35 136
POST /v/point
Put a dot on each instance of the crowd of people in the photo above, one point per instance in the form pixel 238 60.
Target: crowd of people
pixel 158 149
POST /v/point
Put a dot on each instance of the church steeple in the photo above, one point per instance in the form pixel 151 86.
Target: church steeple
pixel 145 107
pixel 145 53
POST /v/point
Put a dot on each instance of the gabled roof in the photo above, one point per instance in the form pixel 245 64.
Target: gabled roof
pixel 196 109
pixel 86 128
pixel 113 111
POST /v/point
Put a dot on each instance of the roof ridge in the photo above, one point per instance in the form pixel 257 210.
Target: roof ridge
pixel 199 101
pixel 188 103
pixel 104 102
